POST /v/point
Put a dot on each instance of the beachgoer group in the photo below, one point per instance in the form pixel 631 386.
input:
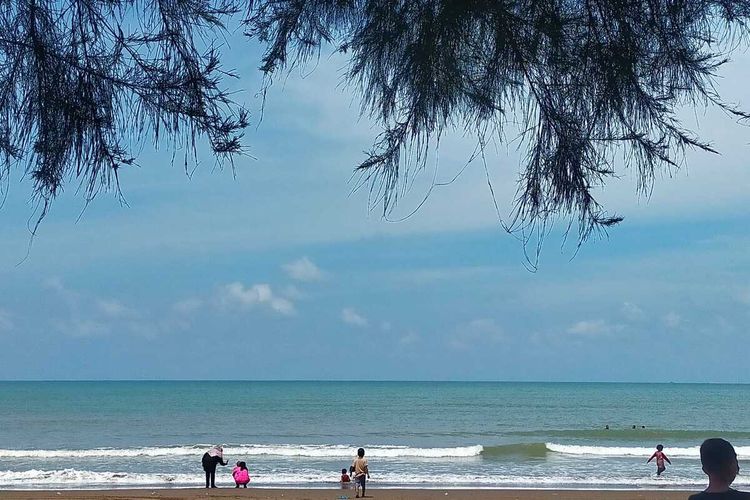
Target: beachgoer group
pixel 215 456
pixel 718 459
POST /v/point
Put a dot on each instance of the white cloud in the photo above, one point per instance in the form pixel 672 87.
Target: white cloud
pixel 632 311
pixel 593 328
pixel 187 306
pixel 477 332
pixel 487 327
pixel 78 327
pixel 53 283
pixel 292 292
pixel 261 294
pixel 89 316
pixel 70 297
pixel 6 323
pixel 409 339
pixel 114 309
pixel 352 317
pixel 303 269
pixel 672 320
pixel 152 330
pixel 86 316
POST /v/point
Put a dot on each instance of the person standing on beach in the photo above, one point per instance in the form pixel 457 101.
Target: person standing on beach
pixel 210 460
pixel 660 458
pixel 719 461
pixel 361 472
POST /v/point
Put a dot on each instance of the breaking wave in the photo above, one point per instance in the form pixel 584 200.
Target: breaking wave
pixel 634 451
pixel 73 478
pixel 282 450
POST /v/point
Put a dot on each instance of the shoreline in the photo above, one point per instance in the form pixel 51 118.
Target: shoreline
pixel 83 489
pixel 339 494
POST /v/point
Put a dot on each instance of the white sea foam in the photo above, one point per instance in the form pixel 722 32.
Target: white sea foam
pixel 626 451
pixel 283 450
pixel 102 452
pixel 98 479
pixel 341 451
pixel 74 477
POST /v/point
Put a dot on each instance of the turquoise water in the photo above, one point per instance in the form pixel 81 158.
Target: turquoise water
pixel 417 434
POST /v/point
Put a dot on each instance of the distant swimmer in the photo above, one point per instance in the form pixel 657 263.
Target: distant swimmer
pixel 660 458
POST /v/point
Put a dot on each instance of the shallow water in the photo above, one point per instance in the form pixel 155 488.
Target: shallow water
pixel 427 434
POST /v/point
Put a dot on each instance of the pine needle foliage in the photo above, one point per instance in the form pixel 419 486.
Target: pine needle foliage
pixel 85 82
pixel 594 85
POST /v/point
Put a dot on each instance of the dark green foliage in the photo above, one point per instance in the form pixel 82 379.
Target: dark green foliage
pixel 593 84
pixel 83 82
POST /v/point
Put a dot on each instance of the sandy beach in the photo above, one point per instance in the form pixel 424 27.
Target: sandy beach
pixel 336 494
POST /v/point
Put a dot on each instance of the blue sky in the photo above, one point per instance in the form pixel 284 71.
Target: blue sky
pixel 280 271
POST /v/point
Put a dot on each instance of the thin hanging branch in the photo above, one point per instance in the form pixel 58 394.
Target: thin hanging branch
pixel 595 84
pixel 84 82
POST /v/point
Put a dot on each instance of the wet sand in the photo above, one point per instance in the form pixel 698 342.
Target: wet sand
pixel 338 494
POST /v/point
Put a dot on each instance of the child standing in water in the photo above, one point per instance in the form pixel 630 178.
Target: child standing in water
pixel 345 479
pixel 660 458
pixel 361 472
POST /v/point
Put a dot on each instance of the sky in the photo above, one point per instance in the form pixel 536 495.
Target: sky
pixel 278 269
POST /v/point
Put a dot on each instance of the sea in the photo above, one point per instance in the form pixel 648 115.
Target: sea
pixel 441 435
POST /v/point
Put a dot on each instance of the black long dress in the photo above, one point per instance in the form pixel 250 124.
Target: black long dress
pixel 209 465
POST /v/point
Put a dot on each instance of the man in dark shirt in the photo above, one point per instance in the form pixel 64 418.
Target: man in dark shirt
pixel 720 464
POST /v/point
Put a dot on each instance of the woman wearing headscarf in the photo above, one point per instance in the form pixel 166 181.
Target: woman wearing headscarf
pixel 211 459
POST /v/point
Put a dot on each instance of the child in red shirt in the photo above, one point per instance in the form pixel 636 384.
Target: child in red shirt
pixel 345 479
pixel 660 458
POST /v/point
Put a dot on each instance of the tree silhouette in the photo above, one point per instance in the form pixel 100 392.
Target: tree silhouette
pixel 591 86
pixel 594 84
pixel 83 82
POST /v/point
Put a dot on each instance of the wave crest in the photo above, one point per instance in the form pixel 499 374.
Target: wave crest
pixel 635 451
pixel 283 450
pixel 74 478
